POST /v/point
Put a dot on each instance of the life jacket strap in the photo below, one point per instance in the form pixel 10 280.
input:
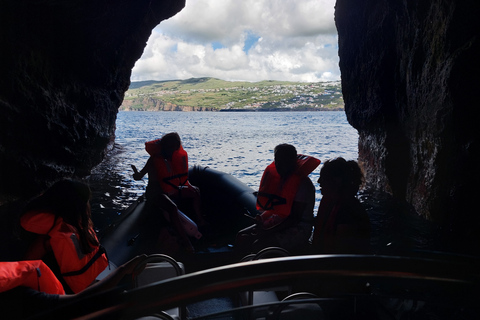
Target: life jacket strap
pixel 97 255
pixel 272 200
pixel 168 179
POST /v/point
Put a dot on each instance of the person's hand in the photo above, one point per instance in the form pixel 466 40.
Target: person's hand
pixel 136 175
pixel 130 267
pixel 259 220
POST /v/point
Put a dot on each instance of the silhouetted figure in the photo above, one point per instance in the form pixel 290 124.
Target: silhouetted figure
pixel 168 183
pixel 342 224
pixel 285 201
pixel 66 239
pixel 33 292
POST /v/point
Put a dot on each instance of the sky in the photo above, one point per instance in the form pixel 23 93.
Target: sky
pixel 244 40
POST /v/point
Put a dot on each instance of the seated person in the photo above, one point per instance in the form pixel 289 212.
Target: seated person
pixel 167 170
pixel 342 224
pixel 285 200
pixel 30 287
pixel 65 238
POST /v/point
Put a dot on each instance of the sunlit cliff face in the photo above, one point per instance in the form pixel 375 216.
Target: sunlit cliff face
pixel 408 78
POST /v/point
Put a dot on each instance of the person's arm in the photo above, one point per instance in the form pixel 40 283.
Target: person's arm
pixel 303 204
pixel 111 280
pixel 138 175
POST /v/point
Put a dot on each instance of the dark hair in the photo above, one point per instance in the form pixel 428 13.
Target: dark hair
pixel 286 150
pixel 169 143
pixel 70 200
pixel 349 172
pixel 285 159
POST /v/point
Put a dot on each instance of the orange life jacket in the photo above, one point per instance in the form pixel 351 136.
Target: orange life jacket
pixel 275 196
pixel 78 270
pixel 33 274
pixel 172 174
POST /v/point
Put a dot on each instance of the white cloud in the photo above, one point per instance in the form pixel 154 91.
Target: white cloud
pixel 286 40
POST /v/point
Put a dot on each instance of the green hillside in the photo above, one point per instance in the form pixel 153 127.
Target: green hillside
pixel 214 94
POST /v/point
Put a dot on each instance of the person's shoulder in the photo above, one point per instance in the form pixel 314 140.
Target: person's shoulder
pixel 305 188
pixel 356 208
pixel 37 221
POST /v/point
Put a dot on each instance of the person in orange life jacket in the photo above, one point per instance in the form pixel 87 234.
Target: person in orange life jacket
pixel 285 201
pixel 167 170
pixel 342 224
pixel 65 238
pixel 30 287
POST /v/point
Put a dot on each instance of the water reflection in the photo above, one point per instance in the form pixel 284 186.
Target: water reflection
pixel 396 228
pixel 112 191
pixel 242 145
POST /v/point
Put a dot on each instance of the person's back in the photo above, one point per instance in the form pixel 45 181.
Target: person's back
pixel 61 219
pixel 167 167
pixel 294 236
pixel 168 184
pixel 28 288
pixel 285 201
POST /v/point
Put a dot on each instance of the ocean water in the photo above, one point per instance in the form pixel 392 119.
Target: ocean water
pixel 239 143
pixel 242 143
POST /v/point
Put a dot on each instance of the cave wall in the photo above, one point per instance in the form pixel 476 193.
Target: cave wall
pixel 410 75
pixel 409 79
pixel 65 66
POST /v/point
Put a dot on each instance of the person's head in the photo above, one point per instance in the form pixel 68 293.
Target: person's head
pixel 169 143
pixel 70 200
pixel 285 159
pixel 340 177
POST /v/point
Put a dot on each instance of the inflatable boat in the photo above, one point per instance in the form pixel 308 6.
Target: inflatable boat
pixel 340 287
pixel 227 204
pixel 213 283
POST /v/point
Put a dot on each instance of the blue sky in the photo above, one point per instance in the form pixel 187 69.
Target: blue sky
pixel 248 40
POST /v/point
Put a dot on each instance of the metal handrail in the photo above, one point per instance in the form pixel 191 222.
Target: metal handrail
pixel 455 276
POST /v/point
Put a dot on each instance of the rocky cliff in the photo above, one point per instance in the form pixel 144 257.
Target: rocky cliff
pixel 409 79
pixel 152 104
pixel 65 67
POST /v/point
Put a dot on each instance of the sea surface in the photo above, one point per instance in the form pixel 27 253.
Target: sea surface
pixel 242 143
pixel 239 143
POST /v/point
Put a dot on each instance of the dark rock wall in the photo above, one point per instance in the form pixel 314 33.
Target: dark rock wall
pixel 410 79
pixel 410 76
pixel 65 66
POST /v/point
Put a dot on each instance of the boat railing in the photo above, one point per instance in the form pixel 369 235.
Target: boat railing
pixel 158 267
pixel 332 276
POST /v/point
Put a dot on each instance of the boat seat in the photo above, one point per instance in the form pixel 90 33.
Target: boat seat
pixel 159 267
pixel 267 295
pixel 298 309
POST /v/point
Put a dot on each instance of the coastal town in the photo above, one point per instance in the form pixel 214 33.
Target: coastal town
pixel 210 94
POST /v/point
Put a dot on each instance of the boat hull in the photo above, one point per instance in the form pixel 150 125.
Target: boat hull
pixel 141 229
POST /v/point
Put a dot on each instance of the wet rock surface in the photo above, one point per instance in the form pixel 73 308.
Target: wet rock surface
pixel 65 68
pixel 409 73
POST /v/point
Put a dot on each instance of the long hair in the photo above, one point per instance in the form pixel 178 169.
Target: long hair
pixel 169 143
pixel 70 200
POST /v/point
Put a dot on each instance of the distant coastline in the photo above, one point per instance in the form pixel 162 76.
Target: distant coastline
pixel 179 109
pixel 283 110
pixel 210 94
